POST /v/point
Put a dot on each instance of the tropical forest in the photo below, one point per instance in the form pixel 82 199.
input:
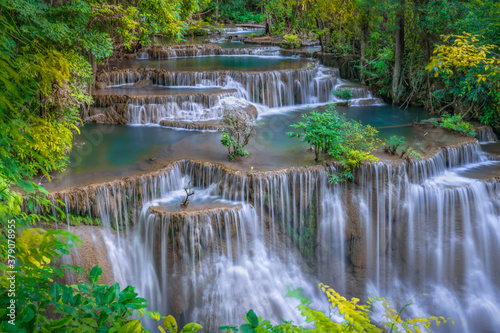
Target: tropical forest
pixel 249 166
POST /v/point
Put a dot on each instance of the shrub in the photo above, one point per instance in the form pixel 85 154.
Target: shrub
pixel 344 94
pixel 454 123
pixel 347 141
pixel 320 130
pixel 356 317
pixel 292 41
pixel 237 129
pixel 394 143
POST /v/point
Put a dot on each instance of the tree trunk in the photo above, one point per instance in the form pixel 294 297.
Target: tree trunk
pixel 320 37
pixel 399 47
pixel 365 35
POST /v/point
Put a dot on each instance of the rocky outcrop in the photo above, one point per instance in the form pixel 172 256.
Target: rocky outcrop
pixel 174 51
pixel 485 134
pixel 115 115
pixel 192 125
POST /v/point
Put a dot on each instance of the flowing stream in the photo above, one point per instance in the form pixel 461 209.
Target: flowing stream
pixel 247 238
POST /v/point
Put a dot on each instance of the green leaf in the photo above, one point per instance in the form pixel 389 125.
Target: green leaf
pixel 133 326
pixel 77 300
pixel 55 292
pixel 191 327
pixel 170 323
pixel 252 319
pixel 28 313
pixel 95 274
pixel 112 293
pixel 246 328
pixel 61 322
pixel 137 303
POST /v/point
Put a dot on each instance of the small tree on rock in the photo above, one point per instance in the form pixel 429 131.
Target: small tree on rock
pixel 237 128
pixel 344 93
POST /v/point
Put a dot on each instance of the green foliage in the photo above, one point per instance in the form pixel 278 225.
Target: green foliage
pixel 47 56
pixel 356 317
pixel 455 124
pixel 170 326
pixel 344 93
pixel 238 11
pixel 292 41
pixel 394 143
pixel 237 129
pixel 398 145
pixel 256 324
pixel 320 130
pixel 47 306
pixel 469 69
pixel 347 141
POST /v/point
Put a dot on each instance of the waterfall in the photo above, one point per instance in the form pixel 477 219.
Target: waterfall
pixel 486 134
pixel 210 265
pixel 273 88
pixel 143 110
pixel 397 230
pixel 206 50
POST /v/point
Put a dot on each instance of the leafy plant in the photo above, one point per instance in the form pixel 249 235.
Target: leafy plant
pixel 394 143
pixel 454 123
pixel 356 317
pixel 320 130
pixel 344 94
pixel 237 129
pixel 347 141
pixel 170 326
pixel 292 41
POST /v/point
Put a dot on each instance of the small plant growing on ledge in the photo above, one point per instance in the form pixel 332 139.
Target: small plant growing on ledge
pixel 344 94
pixel 292 41
pixel 237 129
pixel 189 192
pixel 454 123
pixel 394 143
pixel 347 141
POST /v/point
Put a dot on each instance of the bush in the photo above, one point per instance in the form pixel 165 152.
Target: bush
pixel 292 41
pixel 356 317
pixel 347 141
pixel 394 143
pixel 455 124
pixel 344 94
pixel 237 129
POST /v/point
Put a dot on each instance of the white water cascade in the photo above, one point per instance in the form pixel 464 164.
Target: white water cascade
pixel 267 89
pixel 397 231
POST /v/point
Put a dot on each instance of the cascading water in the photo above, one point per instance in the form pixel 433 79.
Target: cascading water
pixel 176 107
pixel 209 265
pixel 276 88
pixel 397 231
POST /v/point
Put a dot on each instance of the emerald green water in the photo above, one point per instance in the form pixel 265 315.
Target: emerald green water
pixel 105 152
pixel 217 63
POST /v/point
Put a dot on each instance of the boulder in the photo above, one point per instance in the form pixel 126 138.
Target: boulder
pixel 100 85
pixel 143 83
